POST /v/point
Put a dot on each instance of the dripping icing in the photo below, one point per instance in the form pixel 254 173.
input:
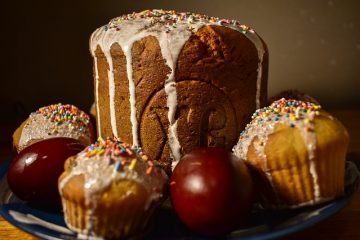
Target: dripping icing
pixel 127 52
pixel 98 123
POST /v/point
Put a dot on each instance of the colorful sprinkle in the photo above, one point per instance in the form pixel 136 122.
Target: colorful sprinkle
pixel 118 166
pixel 289 111
pixel 149 170
pixel 114 147
pixel 59 114
pixel 172 19
pixel 292 109
pixel 133 163
pixel 123 154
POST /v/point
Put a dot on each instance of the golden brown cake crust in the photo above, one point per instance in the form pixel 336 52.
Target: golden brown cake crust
pixel 103 101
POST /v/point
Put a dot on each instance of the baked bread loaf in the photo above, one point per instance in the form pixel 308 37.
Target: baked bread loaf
pixel 111 190
pixel 296 152
pixel 56 120
pixel 170 82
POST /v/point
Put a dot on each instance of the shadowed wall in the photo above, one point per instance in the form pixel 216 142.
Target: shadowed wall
pixel 314 46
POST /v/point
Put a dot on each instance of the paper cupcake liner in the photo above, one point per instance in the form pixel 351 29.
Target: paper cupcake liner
pixel 292 185
pixel 111 223
pixel 297 186
pixel 331 170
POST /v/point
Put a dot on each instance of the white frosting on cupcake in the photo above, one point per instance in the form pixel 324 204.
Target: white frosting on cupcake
pixel 293 113
pixel 56 120
pixel 111 160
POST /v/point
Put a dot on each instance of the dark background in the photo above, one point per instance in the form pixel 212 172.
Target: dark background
pixel 314 46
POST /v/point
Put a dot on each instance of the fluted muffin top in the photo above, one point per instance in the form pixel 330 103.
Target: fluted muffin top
pixel 111 160
pixel 56 120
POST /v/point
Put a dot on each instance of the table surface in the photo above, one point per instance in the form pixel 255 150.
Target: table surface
pixel 343 225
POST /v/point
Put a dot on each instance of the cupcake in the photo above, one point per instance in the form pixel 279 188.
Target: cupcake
pixel 111 190
pixel 296 152
pixel 55 120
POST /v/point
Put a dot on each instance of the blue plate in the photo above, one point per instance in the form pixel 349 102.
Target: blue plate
pixel 262 224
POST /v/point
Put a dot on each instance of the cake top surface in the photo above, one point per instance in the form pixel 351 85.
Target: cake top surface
pixel 115 149
pixel 56 120
pixel 289 112
pixel 293 113
pixel 171 20
pixel 65 113
pixel 287 109
pixel 121 156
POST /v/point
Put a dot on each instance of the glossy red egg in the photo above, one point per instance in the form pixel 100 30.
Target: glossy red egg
pixel 34 173
pixel 211 191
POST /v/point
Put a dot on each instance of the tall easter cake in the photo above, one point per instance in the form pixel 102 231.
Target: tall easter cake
pixel 170 82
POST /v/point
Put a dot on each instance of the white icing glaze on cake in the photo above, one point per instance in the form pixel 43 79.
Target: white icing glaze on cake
pixel 56 120
pixel 129 70
pixel 172 31
pixel 292 113
pixel 98 123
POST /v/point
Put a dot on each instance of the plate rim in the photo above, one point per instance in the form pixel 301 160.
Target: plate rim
pixel 327 209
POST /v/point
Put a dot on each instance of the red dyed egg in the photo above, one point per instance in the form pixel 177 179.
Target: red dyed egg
pixel 34 173
pixel 211 191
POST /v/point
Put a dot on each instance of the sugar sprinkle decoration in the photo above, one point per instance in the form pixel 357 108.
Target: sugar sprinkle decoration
pixel 65 113
pixel 120 153
pixel 172 18
pixel 289 110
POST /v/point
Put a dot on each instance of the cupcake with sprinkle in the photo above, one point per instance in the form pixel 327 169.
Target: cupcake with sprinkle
pixel 297 152
pixel 56 120
pixel 111 190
